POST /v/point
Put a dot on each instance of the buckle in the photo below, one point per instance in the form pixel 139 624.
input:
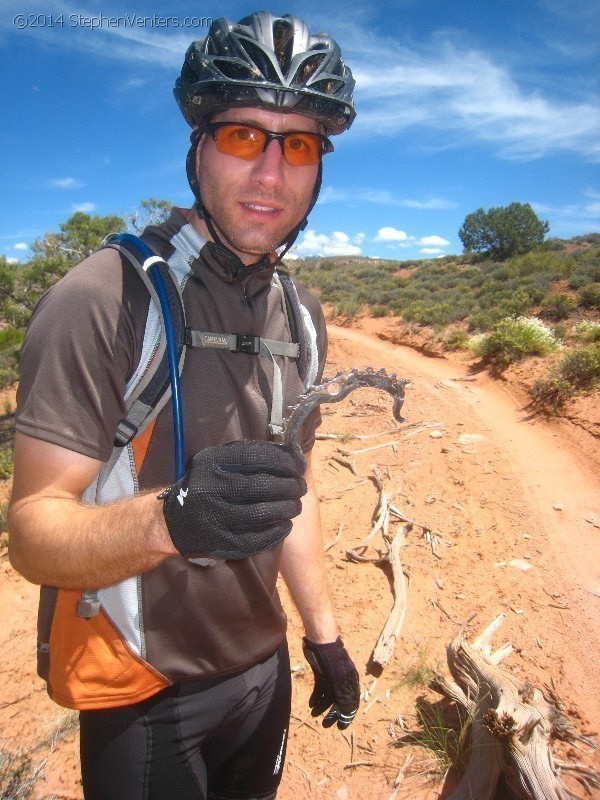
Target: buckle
pixel 248 343
pixel 125 432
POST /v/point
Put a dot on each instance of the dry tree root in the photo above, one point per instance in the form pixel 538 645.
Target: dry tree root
pixel 512 726
pixel 384 649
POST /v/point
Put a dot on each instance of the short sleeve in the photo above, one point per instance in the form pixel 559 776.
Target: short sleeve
pixel 82 344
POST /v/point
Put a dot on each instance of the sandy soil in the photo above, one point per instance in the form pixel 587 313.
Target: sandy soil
pixel 496 484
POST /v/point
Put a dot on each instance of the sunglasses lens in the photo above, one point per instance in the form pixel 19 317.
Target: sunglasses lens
pixel 302 149
pixel 240 141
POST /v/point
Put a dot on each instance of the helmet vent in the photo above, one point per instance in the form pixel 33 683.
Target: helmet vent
pixel 234 71
pixel 309 67
pixel 327 86
pixel 283 43
pixel 260 59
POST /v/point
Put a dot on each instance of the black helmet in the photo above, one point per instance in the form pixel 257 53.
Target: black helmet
pixel 271 62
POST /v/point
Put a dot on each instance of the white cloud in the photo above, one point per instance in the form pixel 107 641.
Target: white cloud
pixel 447 88
pixel 131 37
pixel 11 260
pixel 387 234
pixel 382 197
pixel 435 241
pixel 572 218
pixel 21 246
pixel 314 244
pixel 86 208
pixel 66 183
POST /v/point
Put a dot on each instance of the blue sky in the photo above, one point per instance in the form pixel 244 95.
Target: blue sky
pixel 461 104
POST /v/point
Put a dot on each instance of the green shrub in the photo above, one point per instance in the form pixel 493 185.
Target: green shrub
pixel 587 269
pixel 11 340
pixel 589 296
pixel 18 775
pixel 6 463
pixel 10 337
pixel 457 340
pixel 348 309
pixel 577 371
pixel 542 261
pixel 480 321
pixel 380 311
pixel 513 339
pixel 558 306
pixel 588 331
pixel 560 332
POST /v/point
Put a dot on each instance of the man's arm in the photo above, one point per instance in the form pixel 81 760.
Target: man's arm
pixel 303 568
pixel 56 540
pixel 337 686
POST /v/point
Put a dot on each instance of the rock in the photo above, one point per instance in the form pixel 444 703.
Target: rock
pixel 518 563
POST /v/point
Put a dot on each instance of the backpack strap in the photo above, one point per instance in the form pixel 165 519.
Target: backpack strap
pixel 150 387
pixel 157 376
pixel 295 321
pixel 254 346
pixel 303 346
pixel 302 329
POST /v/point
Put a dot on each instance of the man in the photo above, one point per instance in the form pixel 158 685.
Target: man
pixel 182 675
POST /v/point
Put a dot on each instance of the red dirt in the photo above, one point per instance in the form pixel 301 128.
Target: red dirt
pixel 496 485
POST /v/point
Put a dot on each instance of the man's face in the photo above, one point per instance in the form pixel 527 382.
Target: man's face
pixel 255 204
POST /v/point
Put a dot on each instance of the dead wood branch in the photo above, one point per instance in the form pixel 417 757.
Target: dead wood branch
pixel 351 465
pixel 381 521
pixel 350 436
pixel 368 449
pixel 340 492
pixel 420 429
pixel 336 540
pixel 431 536
pixel 384 649
pixel 512 725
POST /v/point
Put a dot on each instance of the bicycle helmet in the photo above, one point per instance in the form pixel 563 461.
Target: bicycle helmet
pixel 267 61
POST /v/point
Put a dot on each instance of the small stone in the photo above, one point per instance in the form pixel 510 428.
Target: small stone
pixel 557 507
pixel 436 435
pixel 517 563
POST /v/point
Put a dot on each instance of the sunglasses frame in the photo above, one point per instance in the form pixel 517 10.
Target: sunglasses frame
pixel 213 127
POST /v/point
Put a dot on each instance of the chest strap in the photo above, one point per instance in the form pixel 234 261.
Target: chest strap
pixel 254 346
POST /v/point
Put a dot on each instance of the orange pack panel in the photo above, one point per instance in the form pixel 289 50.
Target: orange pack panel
pixel 140 446
pixel 91 666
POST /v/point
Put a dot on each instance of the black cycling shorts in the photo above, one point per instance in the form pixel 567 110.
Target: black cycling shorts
pixel 219 739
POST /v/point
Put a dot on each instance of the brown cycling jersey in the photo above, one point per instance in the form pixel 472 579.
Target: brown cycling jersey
pixel 82 346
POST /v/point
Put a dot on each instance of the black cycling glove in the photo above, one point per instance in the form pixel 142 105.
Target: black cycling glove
pixel 336 682
pixel 236 500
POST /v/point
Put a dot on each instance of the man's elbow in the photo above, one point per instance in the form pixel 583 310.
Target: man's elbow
pixel 18 555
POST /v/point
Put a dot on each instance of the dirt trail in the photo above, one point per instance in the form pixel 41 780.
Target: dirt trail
pixel 495 485
pixel 551 468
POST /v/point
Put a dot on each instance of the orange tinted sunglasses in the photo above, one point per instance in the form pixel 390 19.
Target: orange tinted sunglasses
pixel 299 148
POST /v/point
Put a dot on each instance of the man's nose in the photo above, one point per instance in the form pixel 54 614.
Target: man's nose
pixel 269 165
